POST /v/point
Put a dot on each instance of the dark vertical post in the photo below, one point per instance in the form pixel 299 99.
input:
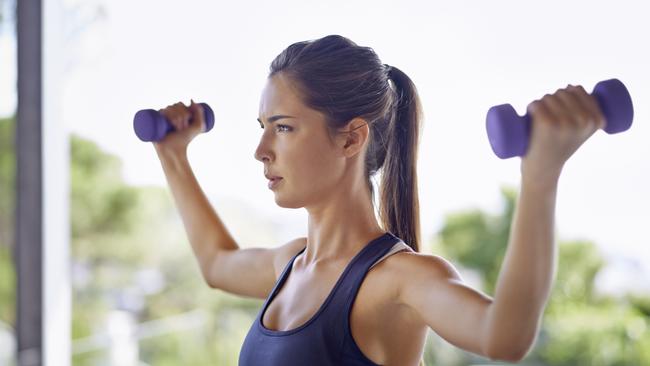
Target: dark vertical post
pixel 29 202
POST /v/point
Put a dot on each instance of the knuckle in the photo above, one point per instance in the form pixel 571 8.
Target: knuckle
pixel 596 118
pixel 583 118
pixel 593 101
pixel 562 92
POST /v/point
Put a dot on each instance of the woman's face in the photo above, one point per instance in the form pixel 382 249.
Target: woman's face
pixel 296 147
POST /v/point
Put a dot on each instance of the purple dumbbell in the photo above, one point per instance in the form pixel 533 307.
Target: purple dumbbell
pixel 509 133
pixel 151 125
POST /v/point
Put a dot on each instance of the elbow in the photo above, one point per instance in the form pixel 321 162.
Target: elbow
pixel 208 278
pixel 508 349
pixel 513 355
pixel 513 352
pixel 210 284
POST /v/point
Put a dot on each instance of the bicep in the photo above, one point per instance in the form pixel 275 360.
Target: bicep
pixel 246 272
pixel 249 271
pixel 434 290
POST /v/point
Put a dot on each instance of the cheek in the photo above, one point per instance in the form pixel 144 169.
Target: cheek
pixel 313 165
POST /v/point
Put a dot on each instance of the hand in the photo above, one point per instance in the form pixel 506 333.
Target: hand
pixel 188 122
pixel 560 123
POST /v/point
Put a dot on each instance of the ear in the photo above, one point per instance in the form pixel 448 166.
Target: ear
pixel 354 136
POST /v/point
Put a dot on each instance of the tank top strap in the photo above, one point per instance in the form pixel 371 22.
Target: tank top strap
pixel 281 279
pixel 347 287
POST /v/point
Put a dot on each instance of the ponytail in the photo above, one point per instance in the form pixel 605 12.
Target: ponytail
pixel 399 207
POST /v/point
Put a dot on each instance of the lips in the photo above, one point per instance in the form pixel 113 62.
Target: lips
pixel 274 182
pixel 272 177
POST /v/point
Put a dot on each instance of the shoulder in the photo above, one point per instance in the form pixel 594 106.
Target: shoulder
pixel 410 262
pixel 407 269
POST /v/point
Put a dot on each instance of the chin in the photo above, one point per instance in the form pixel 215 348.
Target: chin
pixel 287 202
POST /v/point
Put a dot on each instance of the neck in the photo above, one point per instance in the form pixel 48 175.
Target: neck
pixel 340 228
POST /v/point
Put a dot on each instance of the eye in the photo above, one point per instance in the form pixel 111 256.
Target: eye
pixel 288 128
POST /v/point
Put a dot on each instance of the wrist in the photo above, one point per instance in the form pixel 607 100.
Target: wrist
pixel 171 157
pixel 543 179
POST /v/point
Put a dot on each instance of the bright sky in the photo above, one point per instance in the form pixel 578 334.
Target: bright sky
pixel 464 57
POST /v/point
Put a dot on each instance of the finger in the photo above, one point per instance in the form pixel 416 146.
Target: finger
pixel 579 113
pixel 180 119
pixel 181 115
pixel 179 107
pixel 197 112
pixel 556 109
pixel 539 110
pixel 591 104
pixel 170 114
pixel 166 112
pixel 189 115
pixel 174 110
pixel 186 119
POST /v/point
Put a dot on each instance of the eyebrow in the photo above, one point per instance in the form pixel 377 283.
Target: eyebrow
pixel 275 118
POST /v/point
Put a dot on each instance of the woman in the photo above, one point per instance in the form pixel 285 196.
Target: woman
pixel 356 290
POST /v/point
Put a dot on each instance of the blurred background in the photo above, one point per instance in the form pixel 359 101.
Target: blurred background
pixel 137 294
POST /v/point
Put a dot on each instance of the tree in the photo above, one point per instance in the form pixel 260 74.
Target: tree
pixel 7 189
pixel 478 240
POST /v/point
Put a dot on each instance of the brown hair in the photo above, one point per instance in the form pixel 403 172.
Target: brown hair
pixel 343 81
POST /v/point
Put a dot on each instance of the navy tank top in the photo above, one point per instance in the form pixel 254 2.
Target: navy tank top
pixel 325 339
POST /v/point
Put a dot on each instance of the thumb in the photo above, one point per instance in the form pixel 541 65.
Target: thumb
pixel 198 116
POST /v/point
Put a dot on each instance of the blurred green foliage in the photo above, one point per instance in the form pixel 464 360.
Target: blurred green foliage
pixel 7 189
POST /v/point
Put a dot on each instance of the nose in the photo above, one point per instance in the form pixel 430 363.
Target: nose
pixel 262 153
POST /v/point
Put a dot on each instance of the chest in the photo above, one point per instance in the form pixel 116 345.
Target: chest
pixel 384 331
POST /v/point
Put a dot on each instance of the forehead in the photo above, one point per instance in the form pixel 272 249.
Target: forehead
pixel 279 96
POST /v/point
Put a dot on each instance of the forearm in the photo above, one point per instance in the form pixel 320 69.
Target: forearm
pixel 206 232
pixel 527 271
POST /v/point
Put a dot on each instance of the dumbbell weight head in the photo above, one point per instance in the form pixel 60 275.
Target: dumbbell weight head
pixel 151 125
pixel 509 133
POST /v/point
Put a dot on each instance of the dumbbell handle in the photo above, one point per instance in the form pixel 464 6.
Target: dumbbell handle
pixel 509 133
pixel 151 125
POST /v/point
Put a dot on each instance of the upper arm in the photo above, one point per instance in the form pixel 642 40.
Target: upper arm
pixel 434 290
pixel 250 272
